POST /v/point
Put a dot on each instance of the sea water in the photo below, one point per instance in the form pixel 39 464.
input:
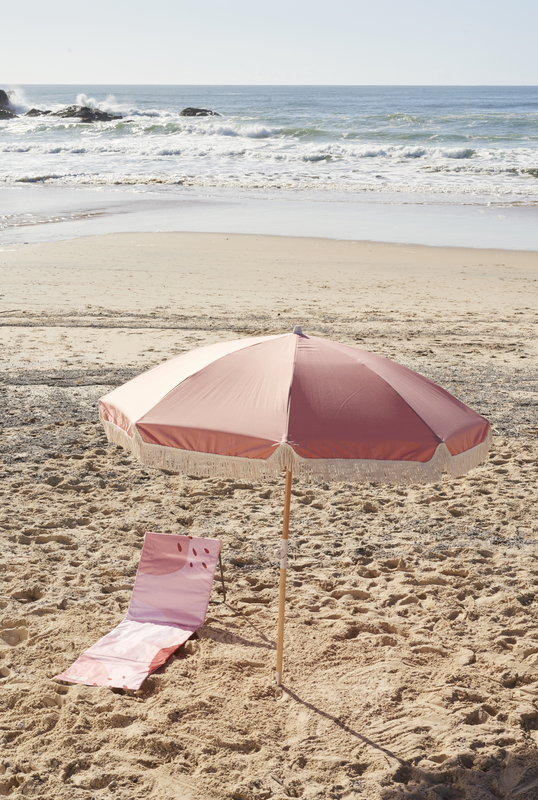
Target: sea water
pixel 463 147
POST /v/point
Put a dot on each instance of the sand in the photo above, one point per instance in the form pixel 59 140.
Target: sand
pixel 411 663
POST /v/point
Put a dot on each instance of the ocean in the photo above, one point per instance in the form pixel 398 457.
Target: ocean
pixel 388 145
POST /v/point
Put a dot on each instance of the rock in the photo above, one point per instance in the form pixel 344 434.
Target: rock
pixel 428 648
pixel 6 112
pixel 85 114
pixel 456 512
pixel 465 657
pixel 198 112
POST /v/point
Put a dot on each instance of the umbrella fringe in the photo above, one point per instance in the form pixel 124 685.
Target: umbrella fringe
pixel 208 465
pixel 461 463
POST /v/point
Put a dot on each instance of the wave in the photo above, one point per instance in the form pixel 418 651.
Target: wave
pixel 368 142
pixel 277 181
pixel 111 105
pixel 389 152
pixel 18 101
pixel 401 151
pixel 40 178
pixel 173 137
pixel 220 147
pixel 461 152
pixel 248 131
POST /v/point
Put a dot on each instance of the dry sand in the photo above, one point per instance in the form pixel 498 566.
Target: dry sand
pixel 411 664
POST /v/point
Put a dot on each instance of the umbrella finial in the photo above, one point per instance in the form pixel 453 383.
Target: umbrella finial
pixel 298 330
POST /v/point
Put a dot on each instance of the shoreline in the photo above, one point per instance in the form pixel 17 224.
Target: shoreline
pixel 53 213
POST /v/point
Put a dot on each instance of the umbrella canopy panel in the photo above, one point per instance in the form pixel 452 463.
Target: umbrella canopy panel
pixel 326 410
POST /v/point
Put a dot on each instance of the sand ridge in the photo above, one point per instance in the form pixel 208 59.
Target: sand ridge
pixel 411 662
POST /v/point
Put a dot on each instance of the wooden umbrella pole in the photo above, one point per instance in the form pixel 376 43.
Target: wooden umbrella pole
pixel 283 571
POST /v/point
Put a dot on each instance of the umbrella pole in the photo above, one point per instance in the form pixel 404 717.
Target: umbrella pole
pixel 283 571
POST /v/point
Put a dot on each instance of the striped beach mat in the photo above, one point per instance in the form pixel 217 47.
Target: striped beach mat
pixel 168 604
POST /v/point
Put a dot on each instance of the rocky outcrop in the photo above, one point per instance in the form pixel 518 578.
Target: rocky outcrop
pixel 86 114
pixel 83 113
pixel 198 112
pixel 5 111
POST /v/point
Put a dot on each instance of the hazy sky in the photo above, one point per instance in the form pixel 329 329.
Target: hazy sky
pixel 275 42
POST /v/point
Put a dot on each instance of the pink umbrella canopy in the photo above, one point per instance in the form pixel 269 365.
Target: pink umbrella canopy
pixel 326 411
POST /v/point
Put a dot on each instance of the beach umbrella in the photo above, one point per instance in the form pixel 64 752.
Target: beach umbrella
pixel 320 410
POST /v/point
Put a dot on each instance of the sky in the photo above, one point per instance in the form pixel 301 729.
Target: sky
pixel 341 42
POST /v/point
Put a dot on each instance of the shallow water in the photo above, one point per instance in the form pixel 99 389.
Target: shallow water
pixel 44 213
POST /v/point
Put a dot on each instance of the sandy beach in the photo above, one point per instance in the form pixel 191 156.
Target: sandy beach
pixel 411 662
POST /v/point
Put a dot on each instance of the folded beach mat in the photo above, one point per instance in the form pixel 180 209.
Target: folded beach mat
pixel 169 602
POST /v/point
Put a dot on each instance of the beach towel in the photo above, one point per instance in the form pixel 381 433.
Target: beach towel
pixel 168 604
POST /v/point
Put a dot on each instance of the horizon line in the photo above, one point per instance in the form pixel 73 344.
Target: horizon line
pixel 297 85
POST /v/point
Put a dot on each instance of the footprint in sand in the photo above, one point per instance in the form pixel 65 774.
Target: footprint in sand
pixel 13 636
pixel 28 594
pixel 480 715
pixel 52 701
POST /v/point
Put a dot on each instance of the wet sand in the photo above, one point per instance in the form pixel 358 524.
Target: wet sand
pixel 45 213
pixel 411 663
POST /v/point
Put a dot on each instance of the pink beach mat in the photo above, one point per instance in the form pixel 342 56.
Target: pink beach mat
pixel 168 604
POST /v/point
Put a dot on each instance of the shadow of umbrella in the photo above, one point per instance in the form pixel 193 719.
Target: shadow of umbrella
pixel 343 726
